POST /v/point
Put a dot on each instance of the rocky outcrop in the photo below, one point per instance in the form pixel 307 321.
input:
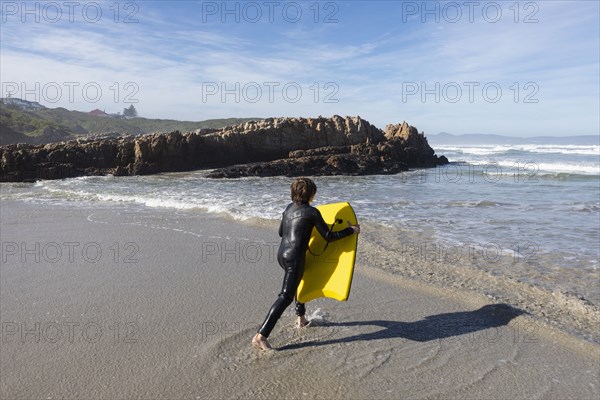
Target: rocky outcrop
pixel 397 149
pixel 274 146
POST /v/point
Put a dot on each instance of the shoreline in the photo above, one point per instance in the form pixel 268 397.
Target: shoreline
pixel 169 307
pixel 408 254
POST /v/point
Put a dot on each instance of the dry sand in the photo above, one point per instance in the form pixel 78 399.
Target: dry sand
pixel 109 303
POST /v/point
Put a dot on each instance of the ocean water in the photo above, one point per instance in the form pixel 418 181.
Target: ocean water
pixel 539 204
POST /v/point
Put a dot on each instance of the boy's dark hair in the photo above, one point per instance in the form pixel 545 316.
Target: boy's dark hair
pixel 303 189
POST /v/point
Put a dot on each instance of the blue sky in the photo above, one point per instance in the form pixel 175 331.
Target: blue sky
pixel 514 68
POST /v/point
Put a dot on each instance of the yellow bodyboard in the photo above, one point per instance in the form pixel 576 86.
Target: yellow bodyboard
pixel 329 268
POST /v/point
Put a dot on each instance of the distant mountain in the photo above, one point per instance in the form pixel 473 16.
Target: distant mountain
pixel 24 124
pixel 445 138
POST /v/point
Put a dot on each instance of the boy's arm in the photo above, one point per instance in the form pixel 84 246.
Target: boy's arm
pixel 324 230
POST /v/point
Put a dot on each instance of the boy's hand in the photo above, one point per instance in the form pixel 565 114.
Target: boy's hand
pixel 356 227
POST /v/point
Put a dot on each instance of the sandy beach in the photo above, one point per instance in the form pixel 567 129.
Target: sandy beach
pixel 106 303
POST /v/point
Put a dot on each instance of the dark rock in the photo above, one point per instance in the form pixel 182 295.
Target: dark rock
pixel 275 146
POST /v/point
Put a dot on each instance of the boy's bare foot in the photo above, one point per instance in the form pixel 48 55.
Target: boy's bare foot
pixel 301 322
pixel 261 342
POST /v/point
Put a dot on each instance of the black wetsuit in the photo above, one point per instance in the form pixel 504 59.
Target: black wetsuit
pixel 295 231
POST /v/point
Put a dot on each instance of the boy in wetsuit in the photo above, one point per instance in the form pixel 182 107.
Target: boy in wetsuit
pixel 295 230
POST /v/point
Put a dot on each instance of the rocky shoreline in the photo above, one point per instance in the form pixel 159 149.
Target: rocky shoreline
pixel 270 147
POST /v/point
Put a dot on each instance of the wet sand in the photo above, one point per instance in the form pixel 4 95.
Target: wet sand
pixel 116 303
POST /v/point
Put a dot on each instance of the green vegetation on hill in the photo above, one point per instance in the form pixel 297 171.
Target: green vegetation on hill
pixel 80 124
pixel 83 123
pixel 26 122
